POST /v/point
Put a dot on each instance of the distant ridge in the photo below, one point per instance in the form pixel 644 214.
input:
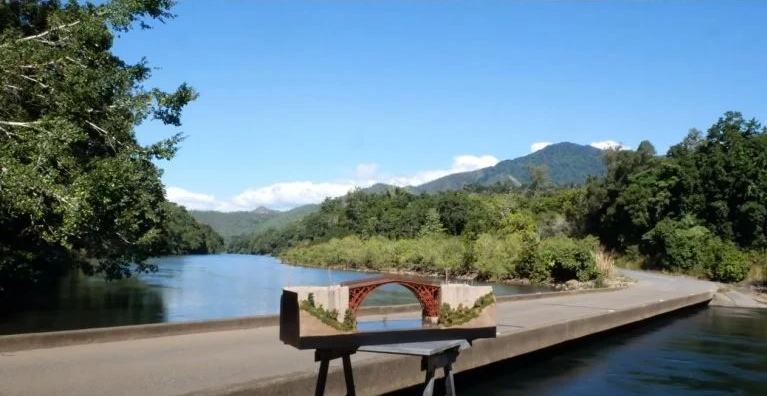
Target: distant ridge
pixel 568 163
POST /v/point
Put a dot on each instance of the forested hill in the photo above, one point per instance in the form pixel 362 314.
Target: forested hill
pixel 229 224
pixel 567 163
pixel 699 210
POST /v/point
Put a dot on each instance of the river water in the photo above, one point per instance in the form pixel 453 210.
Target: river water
pixel 193 288
pixel 708 351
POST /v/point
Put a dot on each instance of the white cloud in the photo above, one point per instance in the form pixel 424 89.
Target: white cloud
pixel 538 145
pixel 606 144
pixel 461 163
pixel 291 194
pixel 196 201
pixel 366 171
pixel 466 163
pixel 288 195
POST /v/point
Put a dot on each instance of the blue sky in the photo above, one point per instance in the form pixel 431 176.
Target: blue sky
pixel 301 100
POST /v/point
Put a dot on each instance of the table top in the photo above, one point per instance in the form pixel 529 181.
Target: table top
pixel 428 348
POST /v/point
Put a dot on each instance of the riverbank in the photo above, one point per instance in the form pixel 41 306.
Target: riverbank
pixel 614 280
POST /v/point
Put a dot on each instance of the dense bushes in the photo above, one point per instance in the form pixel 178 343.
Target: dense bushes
pixel 683 246
pixel 496 257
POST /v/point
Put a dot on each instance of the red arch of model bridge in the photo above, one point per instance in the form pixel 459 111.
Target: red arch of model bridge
pixel 425 290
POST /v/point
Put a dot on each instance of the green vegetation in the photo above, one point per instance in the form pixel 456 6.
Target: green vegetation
pixel 229 224
pixel 693 210
pixel 238 227
pixel 449 316
pixel 182 234
pixel 76 187
pixel 329 317
pixel 700 210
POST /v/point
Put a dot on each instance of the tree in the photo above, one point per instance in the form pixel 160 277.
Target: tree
pixel 539 179
pixel 76 187
pixel 432 225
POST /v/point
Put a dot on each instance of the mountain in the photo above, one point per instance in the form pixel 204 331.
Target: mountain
pixel 229 224
pixel 281 219
pixel 568 163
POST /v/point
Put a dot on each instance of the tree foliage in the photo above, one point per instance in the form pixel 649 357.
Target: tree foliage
pixel 75 184
pixel 692 211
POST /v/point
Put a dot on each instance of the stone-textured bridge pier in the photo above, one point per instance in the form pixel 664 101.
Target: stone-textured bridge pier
pixel 253 361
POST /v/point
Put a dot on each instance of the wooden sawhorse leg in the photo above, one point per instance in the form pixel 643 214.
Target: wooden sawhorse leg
pixel 445 361
pixel 324 356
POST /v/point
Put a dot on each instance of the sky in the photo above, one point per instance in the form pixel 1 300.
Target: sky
pixel 304 100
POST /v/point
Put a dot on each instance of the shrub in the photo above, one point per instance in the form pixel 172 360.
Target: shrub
pixel 531 263
pixel 496 256
pixel 758 260
pixel 570 258
pixel 678 246
pixel 729 263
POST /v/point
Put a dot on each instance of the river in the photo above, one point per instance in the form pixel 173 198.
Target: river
pixel 708 351
pixel 187 288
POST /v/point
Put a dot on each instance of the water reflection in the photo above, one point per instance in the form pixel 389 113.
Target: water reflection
pixel 390 324
pixel 81 302
pixel 189 288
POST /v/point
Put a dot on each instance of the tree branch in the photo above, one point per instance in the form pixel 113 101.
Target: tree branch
pixel 49 31
pixel 106 135
pixel 30 125
pixel 42 84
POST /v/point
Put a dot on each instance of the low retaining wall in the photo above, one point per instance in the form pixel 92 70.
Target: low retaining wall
pixel 17 342
pixel 387 374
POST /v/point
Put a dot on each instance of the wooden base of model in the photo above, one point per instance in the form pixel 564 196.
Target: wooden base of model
pixel 324 317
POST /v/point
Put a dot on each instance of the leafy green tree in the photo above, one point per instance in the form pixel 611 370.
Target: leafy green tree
pixel 432 225
pixel 75 185
pixel 182 234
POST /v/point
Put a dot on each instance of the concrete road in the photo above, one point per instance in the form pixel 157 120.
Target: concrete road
pixel 181 364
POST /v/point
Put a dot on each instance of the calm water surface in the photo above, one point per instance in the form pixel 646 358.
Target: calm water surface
pixel 193 288
pixel 710 351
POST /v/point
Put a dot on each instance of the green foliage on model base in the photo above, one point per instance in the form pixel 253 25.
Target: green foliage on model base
pixel 329 317
pixel 449 316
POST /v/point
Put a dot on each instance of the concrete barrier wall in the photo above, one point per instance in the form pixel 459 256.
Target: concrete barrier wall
pixel 9 343
pixel 382 375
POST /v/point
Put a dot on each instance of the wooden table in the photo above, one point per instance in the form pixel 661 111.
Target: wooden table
pixel 434 355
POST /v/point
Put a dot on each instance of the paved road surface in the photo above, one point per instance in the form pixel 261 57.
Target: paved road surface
pixel 180 364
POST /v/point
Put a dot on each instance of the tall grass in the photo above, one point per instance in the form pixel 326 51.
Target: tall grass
pixel 605 261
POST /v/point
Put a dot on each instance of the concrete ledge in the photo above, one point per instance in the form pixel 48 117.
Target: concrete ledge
pixel 537 296
pixel 381 375
pixel 17 342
